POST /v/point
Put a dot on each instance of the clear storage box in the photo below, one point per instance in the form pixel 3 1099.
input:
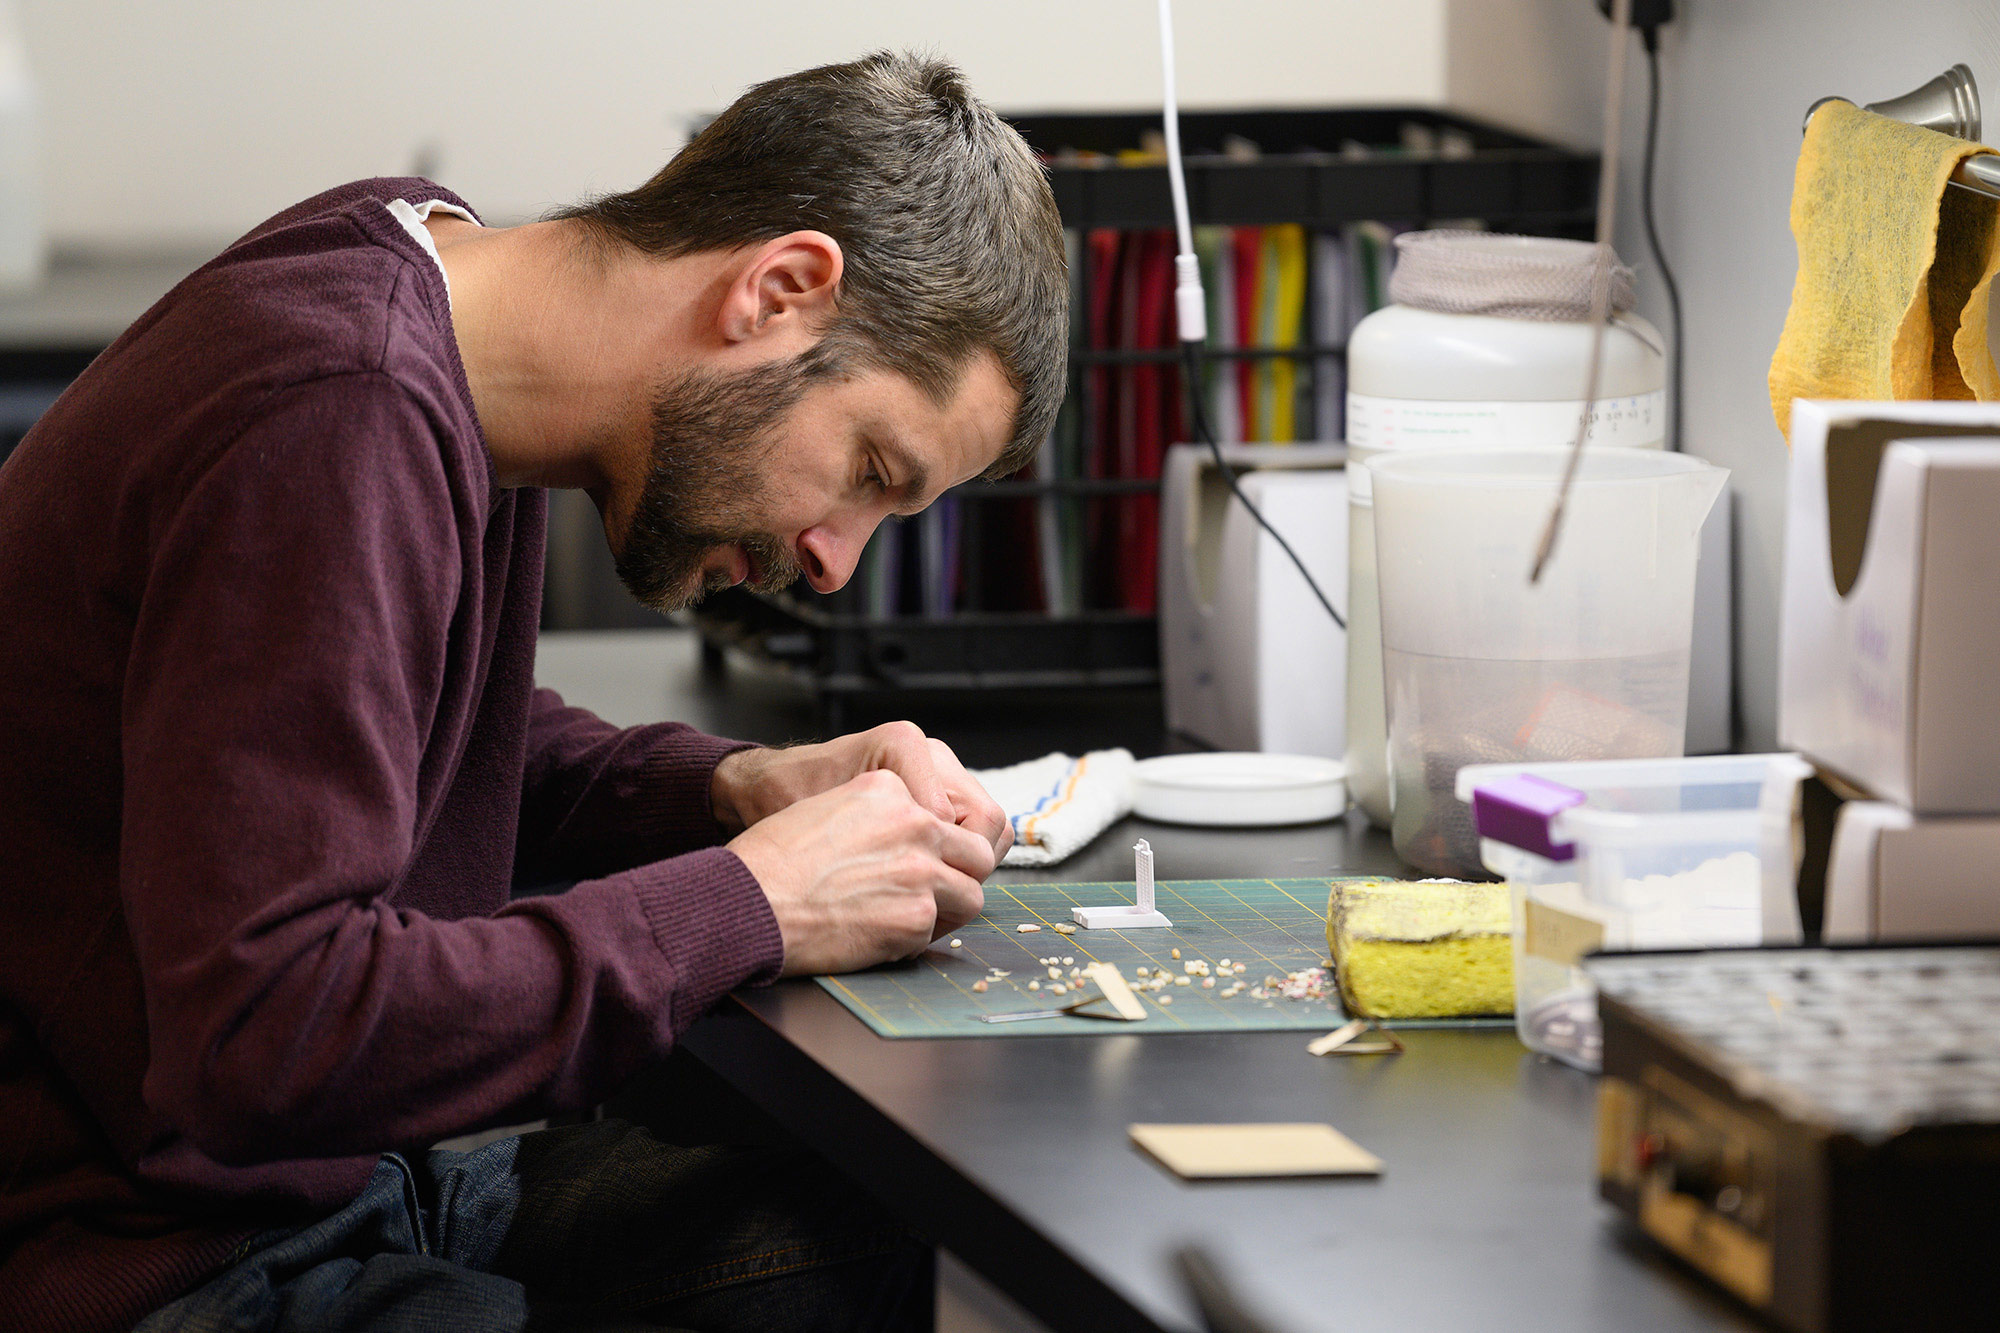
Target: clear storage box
pixel 1627 855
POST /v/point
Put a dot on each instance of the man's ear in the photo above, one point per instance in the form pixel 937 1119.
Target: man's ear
pixel 785 287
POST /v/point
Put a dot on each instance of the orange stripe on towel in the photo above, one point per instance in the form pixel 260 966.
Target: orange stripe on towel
pixel 1069 790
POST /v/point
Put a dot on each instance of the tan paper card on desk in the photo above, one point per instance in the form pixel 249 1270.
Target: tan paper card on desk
pixel 1196 1152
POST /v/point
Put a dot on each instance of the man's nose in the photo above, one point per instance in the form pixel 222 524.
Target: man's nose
pixel 829 552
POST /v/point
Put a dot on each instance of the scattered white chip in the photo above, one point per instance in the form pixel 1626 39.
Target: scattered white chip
pixel 1026 928
pixel 958 944
pixel 979 985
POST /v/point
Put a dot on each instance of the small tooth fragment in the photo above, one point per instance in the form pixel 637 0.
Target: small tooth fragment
pixel 980 984
pixel 1034 985
pixel 1068 961
pixel 1058 989
pixel 1184 981
pixel 958 944
pixel 1027 928
pixel 1177 953
pixel 1055 974
pixel 1208 983
pixel 1166 999
pixel 1065 928
pixel 1222 962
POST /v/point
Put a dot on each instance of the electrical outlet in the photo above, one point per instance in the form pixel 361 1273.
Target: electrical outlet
pixel 1647 15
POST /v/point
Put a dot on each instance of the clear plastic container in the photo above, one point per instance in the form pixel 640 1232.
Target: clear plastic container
pixel 1632 855
pixel 1367 727
pixel 1481 666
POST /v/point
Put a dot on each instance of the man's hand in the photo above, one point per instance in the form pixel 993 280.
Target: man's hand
pixel 752 785
pixel 863 874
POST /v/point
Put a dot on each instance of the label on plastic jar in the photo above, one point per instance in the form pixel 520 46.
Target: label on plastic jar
pixel 1636 420
pixel 1559 936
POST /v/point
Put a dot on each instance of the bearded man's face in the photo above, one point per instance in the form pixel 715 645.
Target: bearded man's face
pixel 714 436
pixel 785 469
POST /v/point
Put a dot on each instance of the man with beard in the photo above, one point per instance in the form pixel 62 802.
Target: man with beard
pixel 271 574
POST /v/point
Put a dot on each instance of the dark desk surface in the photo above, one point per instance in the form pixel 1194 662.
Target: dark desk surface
pixel 1012 1153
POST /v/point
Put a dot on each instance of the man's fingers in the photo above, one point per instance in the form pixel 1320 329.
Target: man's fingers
pixel 966 852
pixel 959 900
pixel 972 807
pixel 903 748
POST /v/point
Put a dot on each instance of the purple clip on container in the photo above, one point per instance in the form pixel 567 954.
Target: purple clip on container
pixel 1519 810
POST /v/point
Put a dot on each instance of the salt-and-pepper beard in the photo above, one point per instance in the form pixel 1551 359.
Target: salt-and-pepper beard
pixel 714 435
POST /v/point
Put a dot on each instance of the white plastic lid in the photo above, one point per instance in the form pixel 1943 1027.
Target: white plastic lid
pixel 1238 789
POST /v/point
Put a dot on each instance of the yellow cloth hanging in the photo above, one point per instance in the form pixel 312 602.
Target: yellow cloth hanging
pixel 1895 270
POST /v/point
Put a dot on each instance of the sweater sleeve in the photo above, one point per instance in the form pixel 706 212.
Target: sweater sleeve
pixel 598 798
pixel 289 651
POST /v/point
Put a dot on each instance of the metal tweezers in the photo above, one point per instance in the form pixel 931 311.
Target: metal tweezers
pixel 1023 1015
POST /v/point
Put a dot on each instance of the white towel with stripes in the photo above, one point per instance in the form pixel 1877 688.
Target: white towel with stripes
pixel 1059 802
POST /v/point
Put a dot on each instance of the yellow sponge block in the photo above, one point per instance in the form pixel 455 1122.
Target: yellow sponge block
pixel 1422 949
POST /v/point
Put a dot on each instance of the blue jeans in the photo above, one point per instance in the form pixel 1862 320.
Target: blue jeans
pixel 592 1227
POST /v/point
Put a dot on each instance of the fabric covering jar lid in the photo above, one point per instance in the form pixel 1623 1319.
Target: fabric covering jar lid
pixel 1512 277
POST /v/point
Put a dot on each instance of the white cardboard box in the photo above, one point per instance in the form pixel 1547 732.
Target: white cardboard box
pixel 1250 659
pixel 1893 876
pixel 1889 651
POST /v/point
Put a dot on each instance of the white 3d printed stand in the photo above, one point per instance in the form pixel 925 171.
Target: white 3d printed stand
pixel 1139 914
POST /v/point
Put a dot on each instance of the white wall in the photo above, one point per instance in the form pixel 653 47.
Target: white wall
pixel 1515 62
pixel 1743 75
pixel 188 121
pixel 1737 80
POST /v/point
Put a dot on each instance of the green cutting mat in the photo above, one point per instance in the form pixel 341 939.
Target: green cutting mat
pixel 1275 926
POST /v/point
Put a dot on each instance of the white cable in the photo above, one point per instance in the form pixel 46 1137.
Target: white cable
pixel 1191 310
pixel 1190 306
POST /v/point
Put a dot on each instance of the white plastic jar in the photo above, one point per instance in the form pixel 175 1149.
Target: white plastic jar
pixel 1486 346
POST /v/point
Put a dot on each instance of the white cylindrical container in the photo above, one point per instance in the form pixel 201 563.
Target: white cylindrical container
pixel 1486 345
pixel 23 247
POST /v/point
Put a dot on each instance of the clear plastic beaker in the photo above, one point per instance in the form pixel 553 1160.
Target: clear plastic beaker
pixel 1367 727
pixel 1480 666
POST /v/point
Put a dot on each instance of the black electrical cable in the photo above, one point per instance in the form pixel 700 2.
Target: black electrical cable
pixel 1198 417
pixel 1651 38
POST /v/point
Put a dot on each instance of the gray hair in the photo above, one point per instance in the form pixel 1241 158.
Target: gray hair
pixel 950 233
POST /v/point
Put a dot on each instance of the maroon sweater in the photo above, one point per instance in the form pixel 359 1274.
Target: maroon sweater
pixel 270 754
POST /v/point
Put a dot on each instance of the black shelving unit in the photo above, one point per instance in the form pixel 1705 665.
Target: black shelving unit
pixel 1319 168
